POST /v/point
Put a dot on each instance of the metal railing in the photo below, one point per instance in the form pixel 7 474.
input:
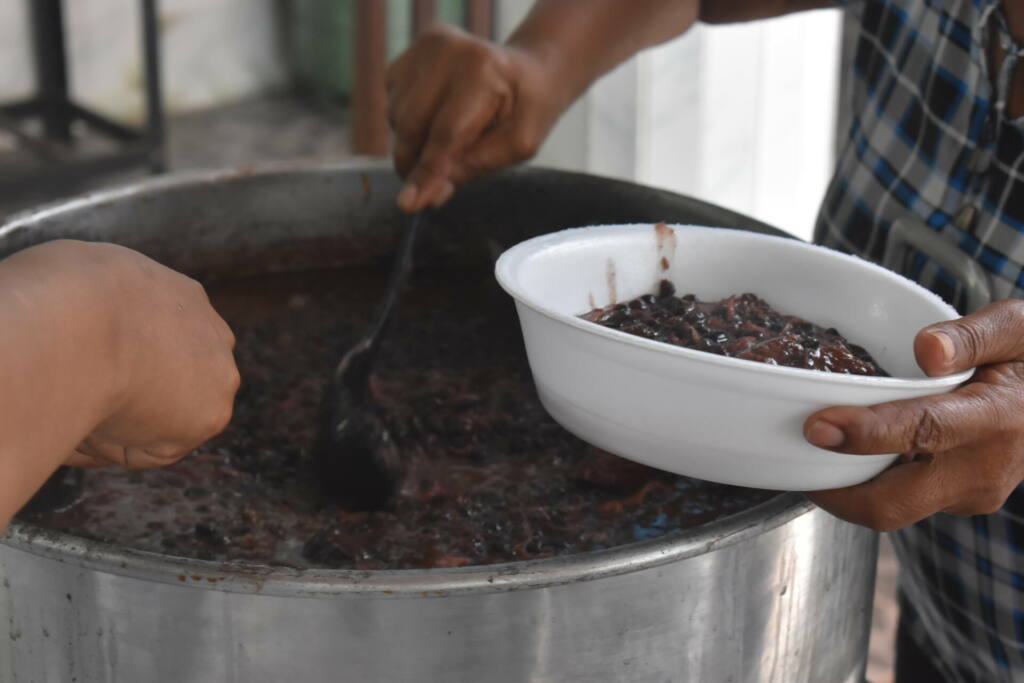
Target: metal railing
pixel 52 147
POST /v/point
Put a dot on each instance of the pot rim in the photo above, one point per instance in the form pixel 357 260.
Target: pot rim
pixel 179 179
pixel 286 581
pixel 24 219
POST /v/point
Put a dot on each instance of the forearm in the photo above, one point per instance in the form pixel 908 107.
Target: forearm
pixel 729 11
pixel 56 364
pixel 579 40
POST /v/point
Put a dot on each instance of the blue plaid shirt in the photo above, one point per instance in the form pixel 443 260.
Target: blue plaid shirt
pixel 930 136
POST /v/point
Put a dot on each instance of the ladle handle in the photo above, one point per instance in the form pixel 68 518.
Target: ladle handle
pixel 399 275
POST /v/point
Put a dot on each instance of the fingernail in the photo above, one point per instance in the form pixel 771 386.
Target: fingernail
pixel 825 435
pixel 948 347
pixel 407 196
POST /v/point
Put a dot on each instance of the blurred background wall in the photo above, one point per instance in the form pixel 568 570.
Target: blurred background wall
pixel 742 116
pixel 213 52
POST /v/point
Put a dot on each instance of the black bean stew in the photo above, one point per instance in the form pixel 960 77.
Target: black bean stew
pixel 742 326
pixel 487 475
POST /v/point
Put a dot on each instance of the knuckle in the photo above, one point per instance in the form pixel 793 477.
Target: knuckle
pixel 1002 375
pixel 474 53
pixel 524 144
pixel 466 170
pixel 1013 321
pixel 196 288
pixel 406 119
pixel 441 37
pixel 1013 308
pixel 430 165
pixel 407 128
pixel 436 32
pixel 1012 373
pixel 229 337
pixel 482 60
pixel 991 495
pixel 928 431
pixel 972 337
pixel 983 489
pixel 432 38
pixel 991 503
pixel 219 419
pixel 159 455
pixel 233 384
pixel 983 502
pixel 169 451
pixel 443 137
pixel 882 518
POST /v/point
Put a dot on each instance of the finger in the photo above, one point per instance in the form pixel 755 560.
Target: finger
pixel 131 457
pixel 975 481
pixel 84 460
pixel 224 331
pixel 509 143
pixel 406 151
pixel 411 124
pixel 152 457
pixel 466 112
pixel 101 450
pixel 994 334
pixel 446 193
pixel 898 497
pixel 425 186
pixel 417 85
pixel 410 116
pixel 931 424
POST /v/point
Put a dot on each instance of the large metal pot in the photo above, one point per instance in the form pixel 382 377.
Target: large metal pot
pixel 781 592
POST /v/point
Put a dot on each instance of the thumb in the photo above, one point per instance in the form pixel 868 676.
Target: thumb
pixel 994 334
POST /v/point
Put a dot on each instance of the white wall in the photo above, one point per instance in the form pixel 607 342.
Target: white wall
pixel 214 51
pixel 742 116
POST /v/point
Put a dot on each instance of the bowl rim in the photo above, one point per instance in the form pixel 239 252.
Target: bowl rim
pixel 505 271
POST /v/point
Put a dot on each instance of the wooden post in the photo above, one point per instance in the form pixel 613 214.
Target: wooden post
pixel 370 102
pixel 424 12
pixel 480 17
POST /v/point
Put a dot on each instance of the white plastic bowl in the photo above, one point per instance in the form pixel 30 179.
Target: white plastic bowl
pixel 695 413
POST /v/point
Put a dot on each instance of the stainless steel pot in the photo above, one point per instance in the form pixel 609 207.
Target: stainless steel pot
pixel 781 592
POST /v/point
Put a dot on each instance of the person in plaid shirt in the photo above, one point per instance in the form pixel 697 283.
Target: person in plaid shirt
pixel 937 141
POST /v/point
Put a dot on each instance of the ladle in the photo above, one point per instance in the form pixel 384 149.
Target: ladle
pixel 353 452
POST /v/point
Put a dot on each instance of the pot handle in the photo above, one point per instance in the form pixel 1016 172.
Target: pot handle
pixel 911 232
